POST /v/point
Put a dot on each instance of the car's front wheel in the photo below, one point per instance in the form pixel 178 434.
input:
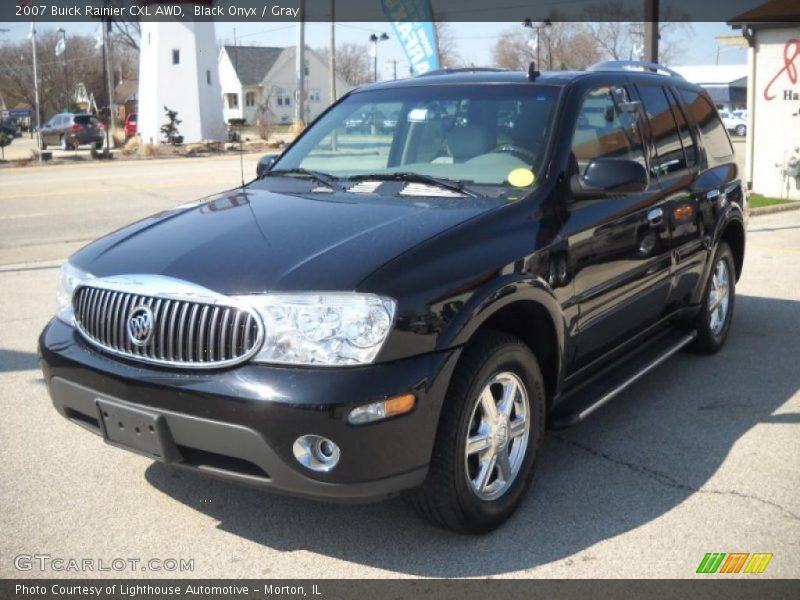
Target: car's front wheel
pixel 490 432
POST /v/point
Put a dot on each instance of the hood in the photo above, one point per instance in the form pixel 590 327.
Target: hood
pixel 256 240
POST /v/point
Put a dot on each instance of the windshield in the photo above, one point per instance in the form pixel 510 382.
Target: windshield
pixel 475 134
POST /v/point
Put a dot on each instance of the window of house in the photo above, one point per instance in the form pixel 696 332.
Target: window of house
pixel 602 131
pixel 233 100
pixel 283 98
pixel 314 96
pixel 715 138
pixel 305 67
pixel 664 130
pixel 250 99
pixel 176 57
pixel 208 76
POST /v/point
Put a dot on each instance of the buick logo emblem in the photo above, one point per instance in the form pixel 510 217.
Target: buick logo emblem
pixel 140 325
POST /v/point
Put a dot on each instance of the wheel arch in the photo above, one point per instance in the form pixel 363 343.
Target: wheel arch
pixel 733 235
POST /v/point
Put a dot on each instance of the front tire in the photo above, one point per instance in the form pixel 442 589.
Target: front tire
pixel 491 428
pixel 714 320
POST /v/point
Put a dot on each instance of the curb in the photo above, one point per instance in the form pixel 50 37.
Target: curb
pixel 777 208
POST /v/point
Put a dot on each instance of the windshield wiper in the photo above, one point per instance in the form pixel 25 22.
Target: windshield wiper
pixel 318 176
pixel 411 177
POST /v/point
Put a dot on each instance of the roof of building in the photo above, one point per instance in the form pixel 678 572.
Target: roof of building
pixel 712 74
pixel 771 12
pixel 252 63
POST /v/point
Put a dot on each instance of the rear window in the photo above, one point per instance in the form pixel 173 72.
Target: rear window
pixel 133 118
pixel 85 120
pixel 715 138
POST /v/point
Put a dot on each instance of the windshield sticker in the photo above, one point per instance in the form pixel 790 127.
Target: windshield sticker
pixel 521 177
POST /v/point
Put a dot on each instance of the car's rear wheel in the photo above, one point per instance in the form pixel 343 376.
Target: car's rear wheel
pixel 42 144
pixel 63 143
pixel 741 130
pixel 98 146
pixel 490 432
pixel 714 320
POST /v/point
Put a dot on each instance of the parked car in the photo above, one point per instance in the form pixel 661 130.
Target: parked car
pixel 130 125
pixel 406 316
pixel 11 129
pixel 734 123
pixel 69 131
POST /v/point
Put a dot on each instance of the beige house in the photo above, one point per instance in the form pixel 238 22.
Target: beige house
pixel 259 82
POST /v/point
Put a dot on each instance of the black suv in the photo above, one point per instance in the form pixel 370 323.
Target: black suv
pixel 405 310
pixel 68 131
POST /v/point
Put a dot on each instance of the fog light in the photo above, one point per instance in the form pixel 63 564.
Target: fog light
pixel 316 452
pixel 376 411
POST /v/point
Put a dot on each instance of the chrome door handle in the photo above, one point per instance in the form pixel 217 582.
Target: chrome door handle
pixel 655 215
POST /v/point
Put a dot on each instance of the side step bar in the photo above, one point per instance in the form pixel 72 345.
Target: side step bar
pixel 645 364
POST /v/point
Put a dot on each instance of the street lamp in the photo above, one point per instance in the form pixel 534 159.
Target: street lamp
pixel 546 24
pixel 375 38
pixel 63 33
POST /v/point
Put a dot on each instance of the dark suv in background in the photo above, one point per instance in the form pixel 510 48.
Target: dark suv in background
pixel 68 131
pixel 405 310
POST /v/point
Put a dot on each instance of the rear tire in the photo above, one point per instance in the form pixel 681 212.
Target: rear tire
pixel 475 488
pixel 42 145
pixel 741 130
pixel 98 147
pixel 714 320
pixel 64 144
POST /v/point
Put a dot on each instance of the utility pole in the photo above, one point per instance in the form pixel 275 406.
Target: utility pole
pixel 109 89
pixel 300 68
pixel 36 92
pixel 332 55
pixel 394 67
pixel 63 33
pixel 651 15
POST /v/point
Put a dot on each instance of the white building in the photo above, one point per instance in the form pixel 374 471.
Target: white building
pixel 773 99
pixel 178 69
pixel 258 80
pixel 726 84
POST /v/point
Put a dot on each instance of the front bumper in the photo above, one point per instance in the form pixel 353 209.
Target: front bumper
pixel 240 423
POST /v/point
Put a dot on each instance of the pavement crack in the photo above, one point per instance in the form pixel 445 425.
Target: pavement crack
pixel 670 481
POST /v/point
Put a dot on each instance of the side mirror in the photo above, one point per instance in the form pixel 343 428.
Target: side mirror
pixel 610 177
pixel 265 164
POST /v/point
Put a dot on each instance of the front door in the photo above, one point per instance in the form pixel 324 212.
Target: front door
pixel 619 246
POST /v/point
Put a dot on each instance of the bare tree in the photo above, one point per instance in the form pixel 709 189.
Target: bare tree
pixel 127 33
pixel 561 46
pixel 353 62
pixel 448 54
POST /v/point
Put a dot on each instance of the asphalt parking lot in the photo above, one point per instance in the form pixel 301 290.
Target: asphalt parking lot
pixel 699 456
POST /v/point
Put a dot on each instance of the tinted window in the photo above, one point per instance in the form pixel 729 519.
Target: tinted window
pixel 603 131
pixel 664 129
pixel 85 120
pixel 687 137
pixel 715 138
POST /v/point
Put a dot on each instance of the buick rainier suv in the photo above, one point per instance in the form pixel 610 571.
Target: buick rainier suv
pixel 403 310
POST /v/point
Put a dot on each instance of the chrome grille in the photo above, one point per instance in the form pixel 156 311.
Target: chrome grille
pixel 185 333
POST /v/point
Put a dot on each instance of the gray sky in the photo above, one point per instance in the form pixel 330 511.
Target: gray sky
pixel 474 40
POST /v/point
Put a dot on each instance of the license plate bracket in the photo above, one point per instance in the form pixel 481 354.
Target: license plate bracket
pixel 141 431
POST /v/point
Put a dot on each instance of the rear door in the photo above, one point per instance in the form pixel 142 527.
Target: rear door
pixel 674 164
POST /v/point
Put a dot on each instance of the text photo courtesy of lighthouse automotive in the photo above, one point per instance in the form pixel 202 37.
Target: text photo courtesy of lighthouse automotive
pixel 472 281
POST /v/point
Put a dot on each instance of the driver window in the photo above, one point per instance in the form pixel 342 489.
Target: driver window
pixel 603 131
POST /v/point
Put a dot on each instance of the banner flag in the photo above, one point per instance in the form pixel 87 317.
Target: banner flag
pixel 412 21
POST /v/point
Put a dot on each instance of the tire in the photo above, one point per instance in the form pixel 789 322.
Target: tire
pixel 449 497
pixel 741 130
pixel 62 142
pixel 712 329
pixel 42 145
pixel 98 147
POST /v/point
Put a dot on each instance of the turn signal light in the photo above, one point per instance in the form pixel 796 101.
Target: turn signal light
pixel 684 212
pixel 368 413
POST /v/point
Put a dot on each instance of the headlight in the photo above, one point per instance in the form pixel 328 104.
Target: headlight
pixel 322 329
pixel 69 279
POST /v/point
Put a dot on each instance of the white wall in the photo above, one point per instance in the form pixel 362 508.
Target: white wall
pixel 183 87
pixel 229 84
pixel 282 76
pixel 775 128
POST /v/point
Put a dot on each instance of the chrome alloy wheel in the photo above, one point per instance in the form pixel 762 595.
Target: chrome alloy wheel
pixel 719 297
pixel 498 436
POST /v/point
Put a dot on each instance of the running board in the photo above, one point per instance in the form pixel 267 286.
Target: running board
pixel 609 386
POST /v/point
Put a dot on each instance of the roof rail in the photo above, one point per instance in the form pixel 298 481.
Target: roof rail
pixel 450 70
pixel 620 65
